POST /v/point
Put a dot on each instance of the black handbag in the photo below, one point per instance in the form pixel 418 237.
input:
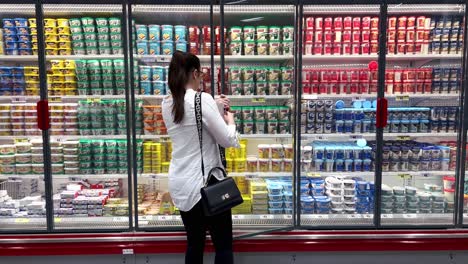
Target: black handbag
pixel 217 196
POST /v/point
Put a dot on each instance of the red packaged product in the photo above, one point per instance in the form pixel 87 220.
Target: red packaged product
pixel 374 36
pixel 338 23
pixel 389 76
pixel 356 36
pixel 347 48
pixel 420 20
pixel 318 48
pixel 374 48
pixel 427 34
pixel 356 23
pixel 363 88
pixel 346 36
pixel 337 37
pixel 206 30
pixel 410 48
pixel 417 47
pixel 305 76
pixel 328 49
pixel 333 75
pixel 319 23
pixel 323 88
pixel 309 48
pixel 401 36
pixel 194 34
pixel 397 87
pixel 344 88
pixel 427 87
pixel 392 23
pixel 356 49
pixel 344 77
pixel 328 36
pixel 411 22
pixel 306 88
pixel 347 23
pixel 373 75
pixel 206 48
pixel 420 35
pixel 391 47
pixel 328 23
pixel 400 48
pixel 428 74
pixel 373 86
pixel 318 37
pixel 419 87
pixel 420 74
pixel 365 48
pixel 309 35
pixel 337 48
pixel 218 34
pixel 324 76
pixel 410 36
pixel 315 88
pixel 374 23
pixel 398 75
pixel 334 88
pixel 365 36
pixel 194 48
pixel 314 76
pixel 366 23
pixel 391 35
pixel 409 87
pixel 411 73
pixel 353 87
pixel 364 76
pixel 309 23
pixel 402 22
pixel 354 76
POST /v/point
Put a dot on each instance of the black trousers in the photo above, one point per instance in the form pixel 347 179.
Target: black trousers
pixel 220 228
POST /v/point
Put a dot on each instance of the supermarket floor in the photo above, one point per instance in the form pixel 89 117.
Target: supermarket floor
pixel 244 258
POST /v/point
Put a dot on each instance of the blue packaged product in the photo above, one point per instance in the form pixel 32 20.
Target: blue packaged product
pixel 8 22
pixel 17 70
pixel 318 192
pixel 275 205
pixel 288 196
pixel 146 87
pixel 348 115
pixel 305 191
pixel 167 47
pixel 366 124
pixel 317 183
pixel 154 32
pixel 5 91
pixel 288 211
pixel 322 202
pixel 20 22
pixel 10 31
pixel 367 104
pixel 23 37
pixel 275 189
pixel 154 48
pixel 17 77
pixel 339 153
pixel 275 211
pixel 159 88
pixel 22 30
pixel 11 44
pixel 5 70
pixel 307 211
pixel 167 33
pixel 288 205
pixel 357 165
pixel 145 73
pixel 357 104
pixel 18 91
pixel 180 33
pixel 367 165
pixel 142 47
pixel 142 32
pixel 361 185
pixel 287 187
pixel 158 73
pixel 339 114
pixel 305 183
pixel 275 198
pixel 307 203
pixel 181 46
pixel 339 104
pixel 24 44
pixel 348 126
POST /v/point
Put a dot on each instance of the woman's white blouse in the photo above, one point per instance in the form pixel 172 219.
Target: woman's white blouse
pixel 185 175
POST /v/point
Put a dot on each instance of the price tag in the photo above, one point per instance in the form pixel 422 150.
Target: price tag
pixel 21 140
pixel 162 59
pixel 263 217
pixel 55 99
pixel 93 100
pixel 402 98
pixel 258 100
pixel 238 217
pixel 74 179
pixel 146 218
pixel 410 216
pixel 425 174
pixel 177 217
pixel 127 251
pixel 404 176
pixel 358 98
pixel 356 137
pixel 403 138
pixel 387 215
pixel 13 178
pixel 287 217
pixel 142 222
pixel 313 174
pixel 22 220
pixel 119 219
pixel 57 139
pixel 320 216
pixel 57 220
pixel 165 218
pixel 309 96
pixel 368 216
pixel 18 99
pixel 148 59
pixel 321 138
pixel 354 216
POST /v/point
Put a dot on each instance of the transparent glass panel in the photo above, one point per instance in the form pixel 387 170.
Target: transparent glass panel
pixel 22 197
pixel 423 77
pixel 88 135
pixel 339 91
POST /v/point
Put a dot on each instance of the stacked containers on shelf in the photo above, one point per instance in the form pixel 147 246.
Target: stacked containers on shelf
pixel 162 40
pixel 62 80
pixel 275 198
pixel 364 196
pixel 12 80
pixel 271 158
pixel 16 36
pixel 261 40
pixel 446 35
pixel 446 80
pixel 31 78
pixel 259 195
pixel 260 80
pixel 23 120
pixel 64 119
pixel 341 35
pixel 56 150
pixel 97 77
pixel 16 158
pixel 408 35
pixel 153 79
pixel 96 36
pixel 262 120
pixel 153 121
pixel 71 157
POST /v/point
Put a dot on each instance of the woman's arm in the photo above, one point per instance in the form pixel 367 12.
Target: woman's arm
pixel 225 135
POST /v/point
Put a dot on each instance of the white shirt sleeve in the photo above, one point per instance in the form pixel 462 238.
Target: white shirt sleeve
pixel 225 135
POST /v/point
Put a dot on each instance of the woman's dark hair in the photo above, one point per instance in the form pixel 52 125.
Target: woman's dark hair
pixel 182 65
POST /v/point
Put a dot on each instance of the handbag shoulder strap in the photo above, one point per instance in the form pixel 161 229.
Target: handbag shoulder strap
pixel 198 118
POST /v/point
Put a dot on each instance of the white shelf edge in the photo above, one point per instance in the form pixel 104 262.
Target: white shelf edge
pixel 353 136
pixel 374 96
pixel 389 57
pixel 372 173
pixel 57 57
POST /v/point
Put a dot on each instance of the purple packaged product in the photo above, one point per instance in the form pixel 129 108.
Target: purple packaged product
pixel 328 116
pixel 445 47
pixel 453 47
pixel 435 47
pixel 310 128
pixel 318 128
pixel 444 87
pixel 320 116
pixel 436 73
pixel 327 127
pixel 310 117
pixel 445 74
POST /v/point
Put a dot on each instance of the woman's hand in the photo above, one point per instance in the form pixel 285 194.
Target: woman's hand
pixel 229 118
pixel 224 100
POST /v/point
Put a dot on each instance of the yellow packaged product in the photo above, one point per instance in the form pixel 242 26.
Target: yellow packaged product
pixel 64 51
pixel 51 37
pixel 51 51
pixel 264 151
pixel 277 151
pixel 69 64
pixel 252 164
pixel 29 70
pixel 62 22
pixel 63 30
pixel 31 78
pixel 52 44
pixel 34 45
pixel 276 165
pixel 32 22
pixel 50 22
pixel 58 78
pixel 69 85
pixel 32 92
pixel 288 165
pixel 230 165
pixel 64 44
pixel 240 165
pixel 33 31
pixel 1 48
pixel 70 91
pixel 5 107
pixel 64 37
pixel 35 52
pixel 165 167
pixel 50 30
pixel 263 165
pixel 57 85
pixel 147 169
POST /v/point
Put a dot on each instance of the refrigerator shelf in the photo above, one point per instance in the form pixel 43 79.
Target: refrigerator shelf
pixel 366 58
pixel 371 136
pixel 397 97
pixel 28 58
pixel 232 174
pixel 402 174
pixel 217 58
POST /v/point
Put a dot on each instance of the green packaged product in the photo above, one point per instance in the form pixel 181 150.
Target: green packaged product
pixel 86 164
pixel 286 73
pixel 261 74
pixel 248 127
pixel 112 157
pixel 107 84
pixel 78 37
pixel 236 88
pixel 122 163
pixel 237 112
pixel 90 44
pixel 262 88
pixel 103 44
pixel 271 113
pixel 122 131
pixel 235 34
pixel 99 170
pixel 123 170
pixel 101 21
pixel 288 33
pixel 105 50
pixel 274 33
pixel 87 21
pixel 273 88
pixel 108 91
pixel 272 127
pixel 95 85
pixel 103 30
pixel 107 77
pixel 109 118
pixel 74 22
pixel 116 43
pixel 103 36
pixel 284 127
pixel 93 64
pixel 283 113
pixel 259 113
pixel 259 127
pixel 114 21
pixel 288 46
pixel 78 44
pixel 89 29
pixel 107 70
pixel 262 33
pixel 248 74
pixel 249 33
pixel 90 36
pixel 248 113
pixel 80 77
pixel 115 30
pixel 273 74
pixel 112 170
pixel 115 36
pixel 117 50
pixel 119 77
pixel 79 51
pixel 249 88
pixel 82 91
pixel 84 143
pixel 106 63
pixel 95 77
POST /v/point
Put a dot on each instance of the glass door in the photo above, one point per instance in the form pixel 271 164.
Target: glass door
pixel 339 85
pixel 22 189
pixel 86 81
pixel 157 31
pixel 422 85
pixel 257 61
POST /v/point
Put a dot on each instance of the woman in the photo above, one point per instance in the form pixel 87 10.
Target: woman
pixel 185 175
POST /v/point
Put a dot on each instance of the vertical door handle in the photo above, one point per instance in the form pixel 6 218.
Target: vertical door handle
pixel 43 120
pixel 382 113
